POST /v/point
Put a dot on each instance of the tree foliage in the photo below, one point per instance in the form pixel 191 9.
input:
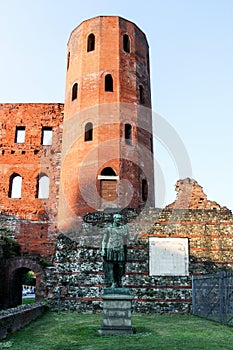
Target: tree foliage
pixel 29 279
pixel 8 246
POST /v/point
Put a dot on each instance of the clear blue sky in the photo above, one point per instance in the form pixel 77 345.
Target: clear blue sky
pixel 191 55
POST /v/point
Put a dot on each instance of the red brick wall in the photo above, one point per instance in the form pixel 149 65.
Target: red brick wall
pixel 34 224
pixel 190 195
pixel 82 162
pixel 30 158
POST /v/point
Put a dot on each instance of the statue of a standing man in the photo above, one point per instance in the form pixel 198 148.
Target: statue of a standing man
pixel 114 251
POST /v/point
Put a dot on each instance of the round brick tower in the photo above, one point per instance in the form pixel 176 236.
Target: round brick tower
pixel 107 157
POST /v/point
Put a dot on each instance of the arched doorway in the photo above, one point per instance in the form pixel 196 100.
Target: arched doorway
pixel 28 287
pixel 16 285
pixel 16 270
pixel 108 183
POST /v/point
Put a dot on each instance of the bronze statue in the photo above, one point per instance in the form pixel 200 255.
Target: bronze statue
pixel 114 251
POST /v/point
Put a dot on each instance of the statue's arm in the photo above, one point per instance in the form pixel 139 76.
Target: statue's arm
pixel 130 237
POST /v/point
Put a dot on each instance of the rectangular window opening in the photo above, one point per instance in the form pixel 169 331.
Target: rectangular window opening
pixel 20 134
pixel 47 133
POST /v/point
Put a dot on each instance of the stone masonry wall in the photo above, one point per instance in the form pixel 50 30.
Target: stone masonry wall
pixel 77 267
pixel 16 318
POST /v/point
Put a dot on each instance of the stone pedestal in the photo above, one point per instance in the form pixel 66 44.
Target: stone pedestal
pixel 117 304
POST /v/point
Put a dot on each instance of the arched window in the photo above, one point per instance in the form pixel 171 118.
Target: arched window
pixel 91 42
pixel 68 60
pixel 144 190
pixel 108 172
pixel 88 136
pixel 128 134
pixel 108 187
pixel 43 186
pixel 74 91
pixel 126 43
pixel 141 94
pixel 15 186
pixel 108 82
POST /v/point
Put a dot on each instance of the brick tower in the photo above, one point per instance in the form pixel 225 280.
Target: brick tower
pixel 107 156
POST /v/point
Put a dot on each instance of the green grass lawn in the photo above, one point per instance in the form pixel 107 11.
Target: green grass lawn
pixel 73 331
pixel 28 301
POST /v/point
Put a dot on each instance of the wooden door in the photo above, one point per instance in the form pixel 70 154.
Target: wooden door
pixel 108 190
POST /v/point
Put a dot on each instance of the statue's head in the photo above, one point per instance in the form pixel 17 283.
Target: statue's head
pixel 117 218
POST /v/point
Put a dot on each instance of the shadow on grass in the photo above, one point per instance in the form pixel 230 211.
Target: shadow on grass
pixel 141 331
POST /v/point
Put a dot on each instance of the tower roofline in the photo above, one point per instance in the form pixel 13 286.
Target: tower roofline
pixel 108 16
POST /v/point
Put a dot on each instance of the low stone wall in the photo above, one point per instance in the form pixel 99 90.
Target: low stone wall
pixel 13 319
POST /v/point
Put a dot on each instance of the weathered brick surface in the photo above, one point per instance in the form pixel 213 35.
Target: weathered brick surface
pixel 190 195
pixel 108 111
pixel 29 159
pixel 36 229
pixel 14 268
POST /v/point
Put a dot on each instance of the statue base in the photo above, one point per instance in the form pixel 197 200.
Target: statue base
pixel 117 305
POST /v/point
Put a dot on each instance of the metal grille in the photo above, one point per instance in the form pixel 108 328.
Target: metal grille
pixel 212 297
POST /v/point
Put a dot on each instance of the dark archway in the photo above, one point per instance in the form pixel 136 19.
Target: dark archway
pixel 108 83
pixel 15 270
pixel 126 43
pixel 88 135
pixel 108 171
pixel 74 91
pixel 128 134
pixel 144 190
pixel 16 286
pixel 91 42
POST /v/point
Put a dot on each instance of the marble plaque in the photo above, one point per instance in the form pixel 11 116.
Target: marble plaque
pixel 168 256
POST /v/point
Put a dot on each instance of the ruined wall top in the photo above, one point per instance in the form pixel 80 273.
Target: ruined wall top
pixel 190 195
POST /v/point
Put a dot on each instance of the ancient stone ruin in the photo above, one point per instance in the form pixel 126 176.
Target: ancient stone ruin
pixel 66 168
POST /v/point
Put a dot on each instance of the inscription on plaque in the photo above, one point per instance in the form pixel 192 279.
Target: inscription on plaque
pixel 168 256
